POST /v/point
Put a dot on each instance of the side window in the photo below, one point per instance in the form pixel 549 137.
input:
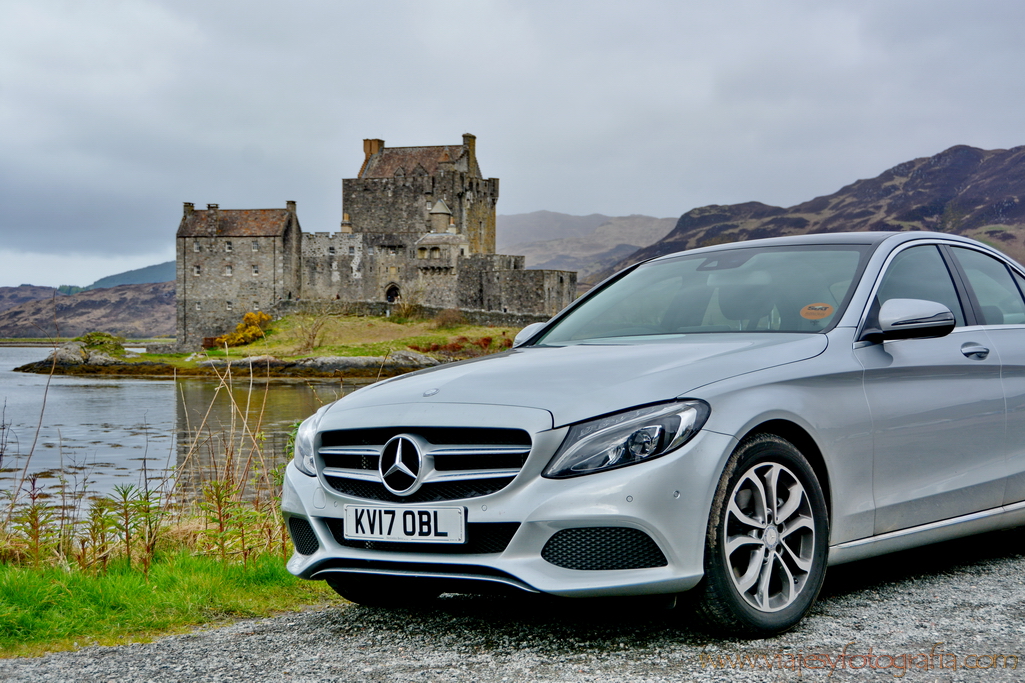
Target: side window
pixel 920 273
pixel 998 297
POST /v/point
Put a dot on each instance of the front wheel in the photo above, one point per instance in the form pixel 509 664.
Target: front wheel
pixel 765 553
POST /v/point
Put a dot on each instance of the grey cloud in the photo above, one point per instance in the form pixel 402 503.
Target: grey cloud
pixel 115 113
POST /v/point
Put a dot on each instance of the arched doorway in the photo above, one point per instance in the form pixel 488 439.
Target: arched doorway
pixel 392 294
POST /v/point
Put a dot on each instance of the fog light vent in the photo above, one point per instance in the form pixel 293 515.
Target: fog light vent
pixel 603 548
pixel 303 538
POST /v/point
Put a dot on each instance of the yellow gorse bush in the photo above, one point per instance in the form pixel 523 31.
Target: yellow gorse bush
pixel 249 330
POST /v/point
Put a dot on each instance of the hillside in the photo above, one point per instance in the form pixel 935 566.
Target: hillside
pixel 142 310
pixel 521 228
pixel 161 272
pixel 607 244
pixel 14 296
pixel 964 190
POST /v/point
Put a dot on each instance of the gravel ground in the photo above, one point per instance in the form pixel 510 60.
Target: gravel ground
pixel 963 600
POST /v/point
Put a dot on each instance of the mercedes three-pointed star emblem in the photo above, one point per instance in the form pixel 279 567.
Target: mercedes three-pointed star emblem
pixel 400 465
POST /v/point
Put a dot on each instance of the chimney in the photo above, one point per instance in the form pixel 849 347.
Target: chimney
pixel 370 148
pixel 189 208
pixel 212 207
pixel 290 206
pixel 470 142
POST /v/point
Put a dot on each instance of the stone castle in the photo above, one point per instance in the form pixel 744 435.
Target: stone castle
pixel 418 226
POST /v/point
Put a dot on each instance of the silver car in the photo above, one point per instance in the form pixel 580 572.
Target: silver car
pixel 726 421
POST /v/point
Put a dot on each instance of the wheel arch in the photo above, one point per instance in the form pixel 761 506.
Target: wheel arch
pixel 803 441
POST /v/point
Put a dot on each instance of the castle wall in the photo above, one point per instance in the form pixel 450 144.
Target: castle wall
pixel 218 279
pixel 536 292
pixel 398 205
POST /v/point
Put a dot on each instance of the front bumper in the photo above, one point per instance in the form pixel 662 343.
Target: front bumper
pixel 668 499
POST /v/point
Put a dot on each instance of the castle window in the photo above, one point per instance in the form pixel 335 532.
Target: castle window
pixel 462 251
pixel 195 270
pixel 256 246
pixel 227 270
pixel 370 250
pixel 195 246
pixel 227 246
pixel 256 269
pixel 421 252
pixel 435 252
pixel 352 251
pixel 393 270
pixel 331 250
pixel 228 305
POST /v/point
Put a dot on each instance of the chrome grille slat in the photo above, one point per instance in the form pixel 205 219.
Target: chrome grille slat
pixel 468 474
pixel 362 475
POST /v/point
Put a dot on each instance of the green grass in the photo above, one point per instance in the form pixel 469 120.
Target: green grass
pixel 51 609
pixel 358 336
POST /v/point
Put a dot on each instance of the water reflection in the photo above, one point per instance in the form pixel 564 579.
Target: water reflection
pixel 95 433
pixel 234 430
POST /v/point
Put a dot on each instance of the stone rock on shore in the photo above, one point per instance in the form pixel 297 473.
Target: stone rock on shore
pixel 74 358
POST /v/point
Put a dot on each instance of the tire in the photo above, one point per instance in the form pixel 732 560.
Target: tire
pixel 383 591
pixel 765 555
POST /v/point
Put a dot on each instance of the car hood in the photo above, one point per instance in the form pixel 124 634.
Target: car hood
pixel 580 381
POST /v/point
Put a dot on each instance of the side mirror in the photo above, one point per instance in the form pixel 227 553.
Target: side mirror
pixel 913 319
pixel 526 333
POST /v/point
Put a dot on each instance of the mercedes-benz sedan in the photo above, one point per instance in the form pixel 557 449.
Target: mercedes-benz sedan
pixel 726 421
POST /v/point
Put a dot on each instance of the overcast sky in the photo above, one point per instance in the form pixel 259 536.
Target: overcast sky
pixel 113 113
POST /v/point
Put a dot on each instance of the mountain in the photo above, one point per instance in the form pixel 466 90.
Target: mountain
pixel 13 296
pixel 521 228
pixel 138 311
pixel 963 190
pixel 597 250
pixel 162 272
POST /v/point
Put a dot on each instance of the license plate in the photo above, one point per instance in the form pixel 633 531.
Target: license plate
pixel 409 525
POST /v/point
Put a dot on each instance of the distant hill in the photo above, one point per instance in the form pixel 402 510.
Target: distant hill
pixel 597 249
pixel 140 310
pixel 963 190
pixel 521 228
pixel 14 296
pixel 162 272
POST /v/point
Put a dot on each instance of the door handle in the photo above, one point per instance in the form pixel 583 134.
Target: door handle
pixel 974 351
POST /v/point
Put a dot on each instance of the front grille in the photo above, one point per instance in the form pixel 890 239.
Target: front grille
pixel 481 538
pixel 459 462
pixel 462 436
pixel 428 493
pixel 303 538
pixel 603 548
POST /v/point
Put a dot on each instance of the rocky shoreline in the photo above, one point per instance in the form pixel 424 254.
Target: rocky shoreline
pixel 74 359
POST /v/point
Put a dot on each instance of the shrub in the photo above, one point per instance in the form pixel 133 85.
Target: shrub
pixel 104 342
pixel 449 318
pixel 249 330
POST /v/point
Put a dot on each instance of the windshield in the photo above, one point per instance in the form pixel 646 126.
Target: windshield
pixel 767 289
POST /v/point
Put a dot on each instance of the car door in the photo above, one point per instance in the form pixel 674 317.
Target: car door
pixel 937 405
pixel 995 290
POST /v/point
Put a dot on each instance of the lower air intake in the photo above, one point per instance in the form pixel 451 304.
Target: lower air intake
pixel 303 538
pixel 603 548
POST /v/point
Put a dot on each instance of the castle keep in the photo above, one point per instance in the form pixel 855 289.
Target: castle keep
pixel 418 226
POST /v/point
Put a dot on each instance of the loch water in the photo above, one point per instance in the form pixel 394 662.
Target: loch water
pixel 98 432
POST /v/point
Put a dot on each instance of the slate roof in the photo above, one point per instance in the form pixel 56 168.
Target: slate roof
pixel 387 161
pixel 234 223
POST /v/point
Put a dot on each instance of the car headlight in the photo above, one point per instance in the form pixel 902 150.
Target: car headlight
pixel 303 458
pixel 626 438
